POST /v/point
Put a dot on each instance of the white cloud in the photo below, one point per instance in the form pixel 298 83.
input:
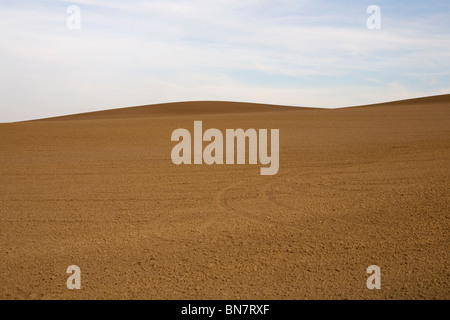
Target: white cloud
pixel 141 52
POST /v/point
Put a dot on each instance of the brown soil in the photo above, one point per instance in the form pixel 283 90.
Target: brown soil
pixel 356 187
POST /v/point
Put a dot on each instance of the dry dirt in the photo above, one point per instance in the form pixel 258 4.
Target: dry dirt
pixel 356 187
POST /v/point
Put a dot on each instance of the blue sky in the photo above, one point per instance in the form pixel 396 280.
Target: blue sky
pixel 301 53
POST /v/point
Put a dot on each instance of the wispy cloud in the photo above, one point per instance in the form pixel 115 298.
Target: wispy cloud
pixel 288 52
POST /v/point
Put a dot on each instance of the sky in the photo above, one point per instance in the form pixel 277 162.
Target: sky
pixel 311 53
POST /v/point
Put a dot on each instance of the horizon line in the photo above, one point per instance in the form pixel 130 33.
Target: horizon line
pixel 412 100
